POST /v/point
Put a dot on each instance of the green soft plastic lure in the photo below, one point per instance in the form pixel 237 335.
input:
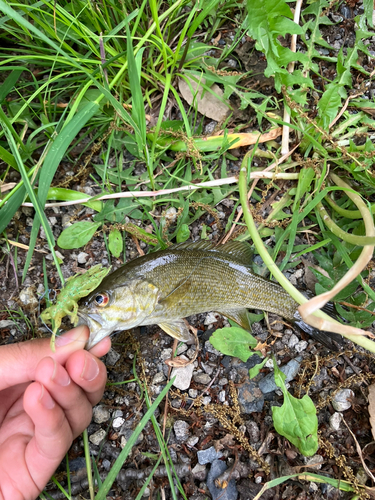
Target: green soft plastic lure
pixel 76 287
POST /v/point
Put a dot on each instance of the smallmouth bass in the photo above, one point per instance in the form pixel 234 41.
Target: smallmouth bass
pixel 190 278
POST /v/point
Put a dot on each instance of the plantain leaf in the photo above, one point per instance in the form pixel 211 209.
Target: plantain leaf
pixel 78 234
pixel 115 243
pixel 234 341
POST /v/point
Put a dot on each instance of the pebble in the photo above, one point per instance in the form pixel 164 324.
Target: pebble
pixel 228 493
pixel 211 318
pixel 207 368
pixel 335 421
pixel 192 441
pixel 210 348
pixel 202 378
pixel 118 422
pixel 301 346
pixel 199 472
pixel 183 375
pixel 158 378
pixel 182 348
pixel 267 384
pixel 223 381
pixel 126 435
pixel 206 400
pixel 82 258
pixel 27 297
pixel 112 357
pixel 191 352
pixel 100 414
pixel 253 430
pixel 293 341
pixel 166 354
pixel 250 397
pixel 181 430
pixel 340 401
pixel 221 396
pixel 171 214
pixel 208 456
pixel 193 393
pixel 98 437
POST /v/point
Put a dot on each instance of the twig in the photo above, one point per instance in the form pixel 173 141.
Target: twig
pixel 166 396
pixel 359 451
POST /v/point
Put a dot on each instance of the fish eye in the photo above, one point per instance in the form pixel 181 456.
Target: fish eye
pixel 101 299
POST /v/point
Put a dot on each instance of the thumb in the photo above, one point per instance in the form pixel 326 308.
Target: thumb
pixel 18 362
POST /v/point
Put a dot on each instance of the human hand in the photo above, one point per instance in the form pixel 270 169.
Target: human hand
pixel 46 401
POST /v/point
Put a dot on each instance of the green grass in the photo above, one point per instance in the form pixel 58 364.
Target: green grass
pixel 72 72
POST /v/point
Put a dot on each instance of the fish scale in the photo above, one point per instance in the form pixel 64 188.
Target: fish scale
pixel 191 278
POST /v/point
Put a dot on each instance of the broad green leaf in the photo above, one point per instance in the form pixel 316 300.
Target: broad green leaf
pixel 296 419
pixel 183 233
pixel 115 243
pixel 78 234
pixel 234 341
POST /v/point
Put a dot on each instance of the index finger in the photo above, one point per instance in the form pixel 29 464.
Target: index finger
pixel 19 361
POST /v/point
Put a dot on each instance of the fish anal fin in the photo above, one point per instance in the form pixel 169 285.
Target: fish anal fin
pixel 240 316
pixel 177 329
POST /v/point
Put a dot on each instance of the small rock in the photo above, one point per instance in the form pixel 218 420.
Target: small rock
pixel 253 430
pixel 126 435
pixel 207 368
pixel 335 420
pixel 27 297
pixel 208 456
pixel 199 472
pixel 301 346
pixel 206 400
pixel 183 375
pixel 223 381
pixel 202 378
pixel 336 18
pixel 158 378
pixel 228 493
pixel 250 397
pixel 181 430
pixel 106 464
pixel 82 258
pixel 221 396
pixel 112 357
pixel 191 352
pixel 100 414
pixel 210 348
pixel 182 348
pixel 98 437
pixel 118 422
pixel 267 384
pixel 193 393
pixel 171 214
pixel 192 441
pixel 166 354
pixel 211 318
pixel 293 341
pixel 341 400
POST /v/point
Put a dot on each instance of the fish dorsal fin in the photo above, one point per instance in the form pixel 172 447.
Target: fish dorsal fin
pixel 241 250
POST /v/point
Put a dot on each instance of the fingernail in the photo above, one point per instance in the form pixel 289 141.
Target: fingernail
pixel 60 375
pixel 45 398
pixel 90 369
pixel 69 337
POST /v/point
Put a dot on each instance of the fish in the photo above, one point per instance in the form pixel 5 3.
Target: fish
pixel 166 286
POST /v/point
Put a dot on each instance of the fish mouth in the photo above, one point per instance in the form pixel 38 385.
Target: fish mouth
pixel 97 326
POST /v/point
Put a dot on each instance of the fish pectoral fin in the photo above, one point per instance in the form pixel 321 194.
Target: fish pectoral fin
pixel 177 329
pixel 175 296
pixel 240 316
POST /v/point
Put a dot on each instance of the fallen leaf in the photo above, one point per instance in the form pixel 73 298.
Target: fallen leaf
pixel 227 440
pixel 209 105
